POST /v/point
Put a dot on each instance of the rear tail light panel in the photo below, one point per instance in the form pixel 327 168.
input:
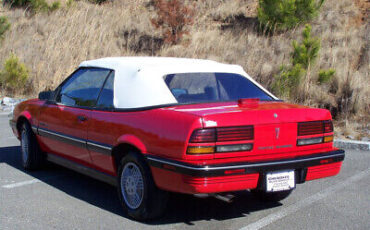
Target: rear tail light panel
pixel 224 139
pixel 328 127
pixel 203 136
pixel 310 128
pixel 239 133
pixel 235 133
pixel 314 128
pixel 314 132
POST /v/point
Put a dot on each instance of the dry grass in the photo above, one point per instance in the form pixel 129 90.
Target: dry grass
pixel 53 45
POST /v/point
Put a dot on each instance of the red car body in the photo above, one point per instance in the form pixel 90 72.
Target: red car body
pixel 162 135
pixel 239 139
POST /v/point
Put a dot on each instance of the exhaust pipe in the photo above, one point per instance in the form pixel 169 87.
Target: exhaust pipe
pixel 228 198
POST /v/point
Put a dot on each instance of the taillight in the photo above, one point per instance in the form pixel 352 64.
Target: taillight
pixel 203 136
pixel 239 133
pixel 223 134
pixel 314 127
pixel 310 128
pixel 235 133
pixel 328 127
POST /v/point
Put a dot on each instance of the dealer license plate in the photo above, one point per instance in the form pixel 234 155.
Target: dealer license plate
pixel 280 181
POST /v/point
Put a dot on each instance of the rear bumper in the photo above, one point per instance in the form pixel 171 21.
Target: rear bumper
pixel 187 178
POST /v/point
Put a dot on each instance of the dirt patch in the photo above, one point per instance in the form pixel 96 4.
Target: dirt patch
pixel 363 17
pixel 239 23
pixel 140 43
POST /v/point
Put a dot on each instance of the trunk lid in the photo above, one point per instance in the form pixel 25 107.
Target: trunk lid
pixel 265 112
pixel 275 123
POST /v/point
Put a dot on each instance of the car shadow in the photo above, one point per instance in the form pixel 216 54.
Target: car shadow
pixel 181 208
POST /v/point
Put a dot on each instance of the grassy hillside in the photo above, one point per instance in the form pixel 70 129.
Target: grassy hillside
pixel 53 44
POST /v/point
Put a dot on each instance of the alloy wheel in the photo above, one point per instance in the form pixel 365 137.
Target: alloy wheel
pixel 132 185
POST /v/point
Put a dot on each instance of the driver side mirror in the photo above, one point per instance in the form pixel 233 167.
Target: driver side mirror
pixel 46 95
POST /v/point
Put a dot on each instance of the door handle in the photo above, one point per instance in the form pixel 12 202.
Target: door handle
pixel 81 118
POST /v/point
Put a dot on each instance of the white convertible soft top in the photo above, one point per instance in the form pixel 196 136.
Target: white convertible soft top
pixel 139 81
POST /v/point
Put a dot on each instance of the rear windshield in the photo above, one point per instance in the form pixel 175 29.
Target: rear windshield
pixel 212 87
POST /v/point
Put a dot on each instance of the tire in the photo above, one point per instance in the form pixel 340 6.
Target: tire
pixel 271 196
pixel 135 180
pixel 32 157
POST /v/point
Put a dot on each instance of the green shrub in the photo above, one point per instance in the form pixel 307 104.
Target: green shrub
pixel 325 76
pixel 54 6
pixel 70 3
pixel 14 74
pixel 306 52
pixel 43 6
pixel 39 5
pixel 285 14
pixel 34 5
pixel 4 26
pixel 286 83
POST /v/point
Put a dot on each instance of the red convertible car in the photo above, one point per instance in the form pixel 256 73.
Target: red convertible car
pixel 154 125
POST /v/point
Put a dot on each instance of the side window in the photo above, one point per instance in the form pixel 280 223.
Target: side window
pixel 83 87
pixel 106 96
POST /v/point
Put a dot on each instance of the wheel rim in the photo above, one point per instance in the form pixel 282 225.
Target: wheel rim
pixel 24 146
pixel 132 186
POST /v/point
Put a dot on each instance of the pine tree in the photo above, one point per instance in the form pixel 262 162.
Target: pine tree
pixel 288 83
pixel 303 56
pixel 281 15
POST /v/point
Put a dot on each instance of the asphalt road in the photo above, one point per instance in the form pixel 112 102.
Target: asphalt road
pixel 57 198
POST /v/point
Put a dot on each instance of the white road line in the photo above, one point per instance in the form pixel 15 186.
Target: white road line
pixel 23 183
pixel 304 203
pixel 27 182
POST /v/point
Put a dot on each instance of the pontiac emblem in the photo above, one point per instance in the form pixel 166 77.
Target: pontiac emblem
pixel 277 132
pixel 275 115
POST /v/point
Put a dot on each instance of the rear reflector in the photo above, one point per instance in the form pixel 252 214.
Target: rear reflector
pixel 326 161
pixel 234 171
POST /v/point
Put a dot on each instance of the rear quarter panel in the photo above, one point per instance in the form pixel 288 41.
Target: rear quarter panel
pixel 158 131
